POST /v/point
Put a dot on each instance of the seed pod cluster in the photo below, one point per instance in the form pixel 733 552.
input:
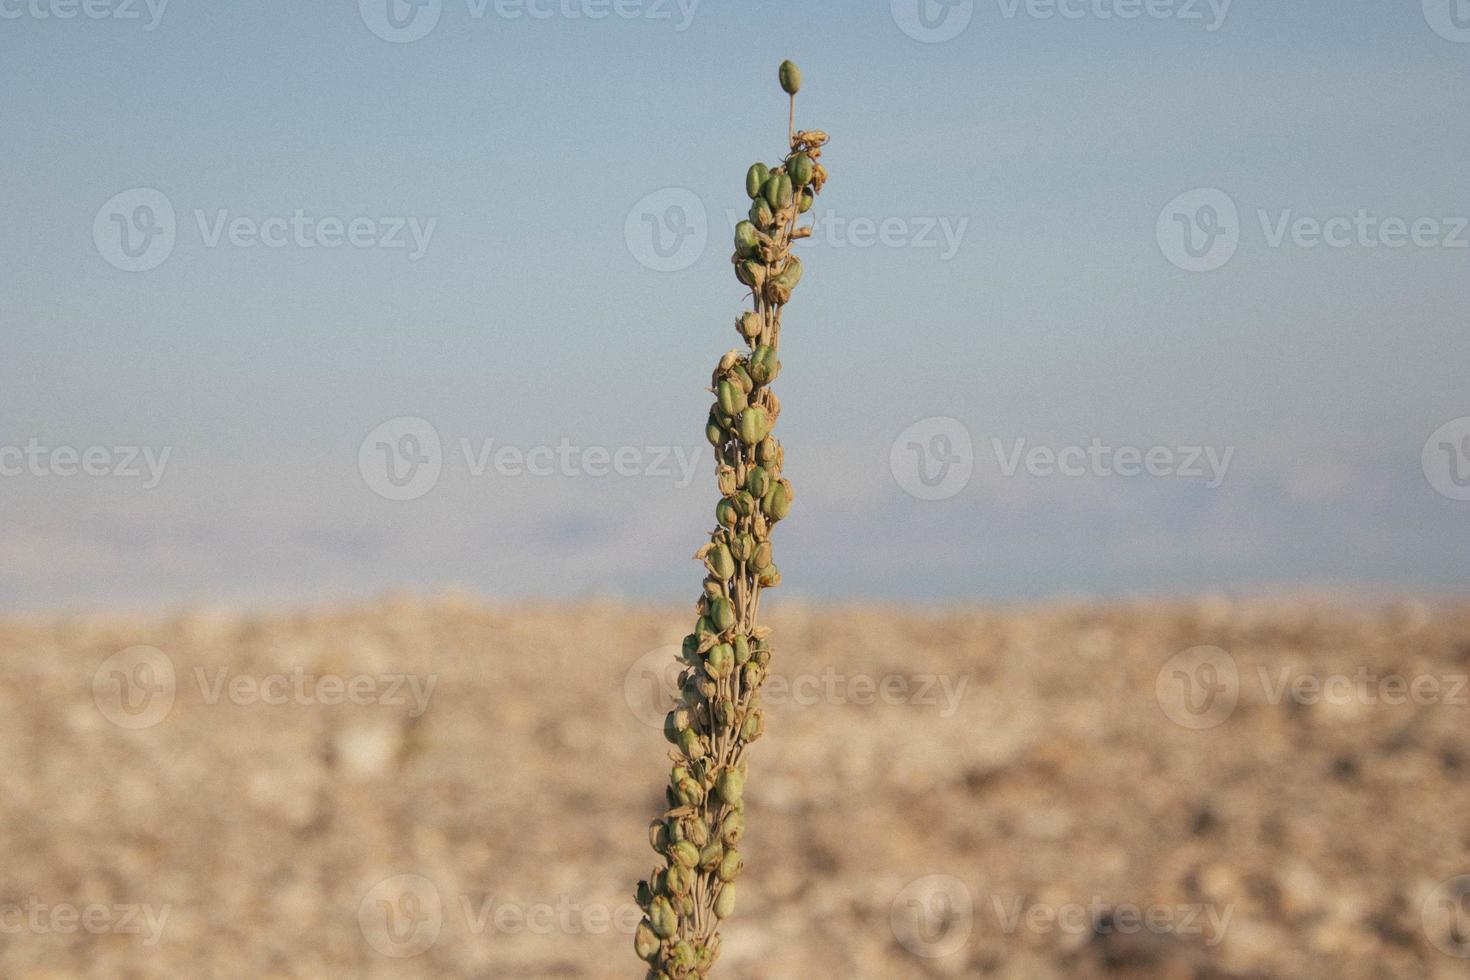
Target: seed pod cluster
pixel 726 657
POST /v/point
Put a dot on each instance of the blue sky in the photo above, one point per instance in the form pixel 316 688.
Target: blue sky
pixel 524 149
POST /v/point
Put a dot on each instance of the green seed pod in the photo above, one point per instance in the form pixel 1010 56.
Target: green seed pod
pixel 731 865
pixel 684 853
pixel 754 726
pixel 720 562
pixel 768 452
pixel 791 275
pixel 721 658
pixel 645 942
pixel 747 240
pixel 758 481
pixel 683 957
pixel 727 482
pixel 800 169
pixel 744 503
pixel 754 425
pixel 713 432
pixel 779 503
pixel 763 365
pixel 671 730
pixel 778 191
pixel 690 744
pixel 662 918
pixel 752 674
pixel 741 377
pixel 805 200
pixel 761 214
pixel 658 836
pixel 730 785
pixel 755 177
pixel 711 855
pixel 732 830
pixel 725 903
pixel 762 557
pixel 740 649
pixel 689 792
pixel 725 512
pixel 704 958
pixel 790 77
pixel 722 614
pixel 750 326
pixel 732 398
pixel 679 879
pixel 752 273
pixel 743 547
pixel 696 831
pixel 724 711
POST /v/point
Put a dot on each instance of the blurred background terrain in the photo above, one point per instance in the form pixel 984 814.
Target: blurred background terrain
pixel 1038 792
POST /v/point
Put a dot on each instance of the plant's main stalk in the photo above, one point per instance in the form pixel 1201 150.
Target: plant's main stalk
pixel 727 656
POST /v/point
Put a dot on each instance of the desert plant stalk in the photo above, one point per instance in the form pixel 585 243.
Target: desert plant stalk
pixel 726 657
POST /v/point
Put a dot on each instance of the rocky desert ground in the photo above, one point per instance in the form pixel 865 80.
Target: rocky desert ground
pixel 436 786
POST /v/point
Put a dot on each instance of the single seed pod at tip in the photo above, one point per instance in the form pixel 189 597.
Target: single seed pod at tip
pixel 790 77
